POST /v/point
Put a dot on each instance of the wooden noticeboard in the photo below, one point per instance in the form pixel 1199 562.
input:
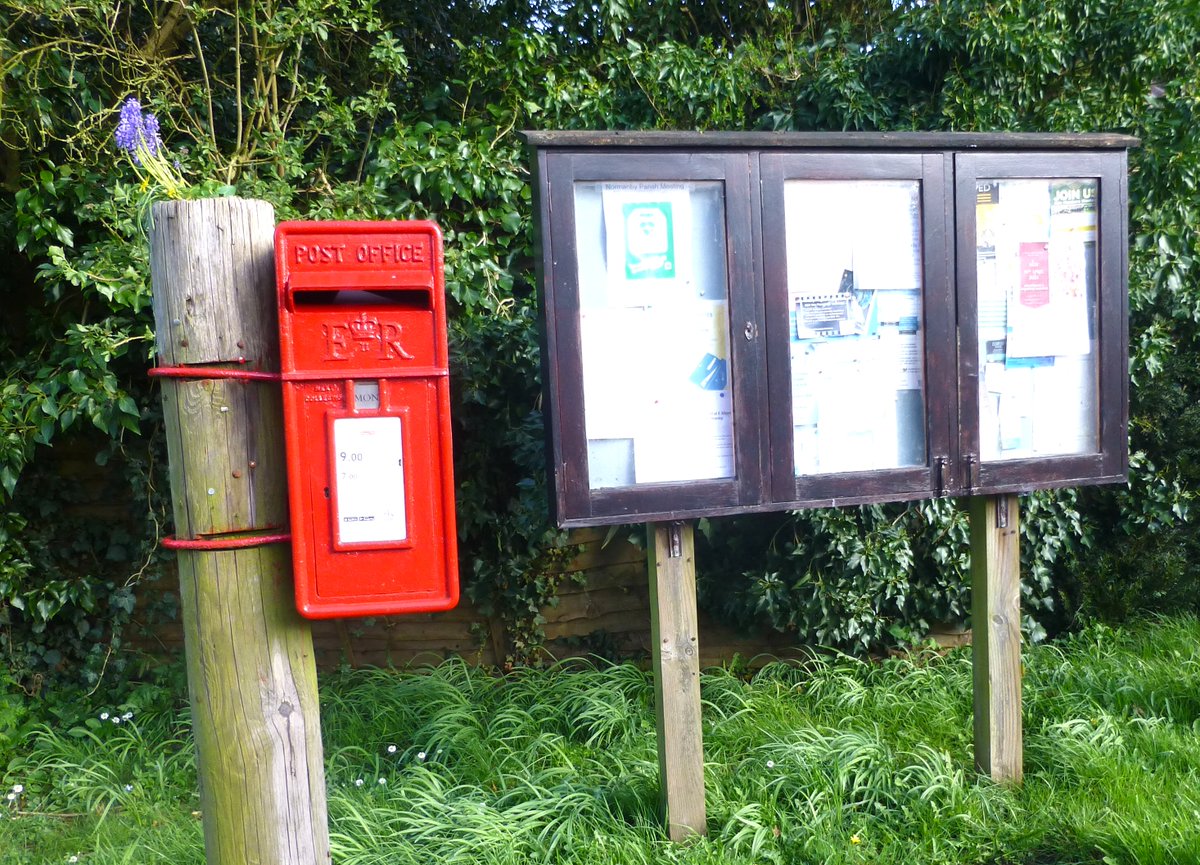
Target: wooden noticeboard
pixel 742 322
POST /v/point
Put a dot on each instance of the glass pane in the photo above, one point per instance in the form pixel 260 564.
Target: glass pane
pixel 653 297
pixel 1035 250
pixel 854 298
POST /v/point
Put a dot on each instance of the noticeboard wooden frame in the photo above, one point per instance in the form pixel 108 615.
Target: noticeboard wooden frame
pixel 579 181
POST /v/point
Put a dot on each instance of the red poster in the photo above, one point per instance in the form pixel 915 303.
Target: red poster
pixel 1035 274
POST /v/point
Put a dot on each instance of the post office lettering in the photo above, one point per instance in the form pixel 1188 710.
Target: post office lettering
pixel 390 253
pixel 317 253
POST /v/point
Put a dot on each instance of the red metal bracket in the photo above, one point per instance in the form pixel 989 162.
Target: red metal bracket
pixel 201 371
pixel 210 544
pixel 223 543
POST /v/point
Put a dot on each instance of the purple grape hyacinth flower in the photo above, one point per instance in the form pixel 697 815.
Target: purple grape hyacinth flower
pixel 137 129
pixel 138 135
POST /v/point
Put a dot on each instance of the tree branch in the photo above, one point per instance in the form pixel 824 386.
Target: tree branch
pixel 169 32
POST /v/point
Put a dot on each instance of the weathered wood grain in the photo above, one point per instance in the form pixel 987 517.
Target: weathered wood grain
pixel 675 637
pixel 251 668
pixel 996 617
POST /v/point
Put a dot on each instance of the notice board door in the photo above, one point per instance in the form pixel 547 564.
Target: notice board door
pixel 1041 276
pixel 860 313
pixel 657 339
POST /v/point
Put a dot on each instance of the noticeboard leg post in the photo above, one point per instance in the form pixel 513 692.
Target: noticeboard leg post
pixel 996 635
pixel 675 634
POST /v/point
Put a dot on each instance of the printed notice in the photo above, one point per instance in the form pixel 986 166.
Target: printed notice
pixel 852 236
pixel 657 401
pixel 688 436
pixel 1044 258
pixel 649 242
pixel 368 468
pixel 1035 274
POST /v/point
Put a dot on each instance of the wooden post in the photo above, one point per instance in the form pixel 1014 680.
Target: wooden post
pixel 251 670
pixel 996 635
pixel 674 631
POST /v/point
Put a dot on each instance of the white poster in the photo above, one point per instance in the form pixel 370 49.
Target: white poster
pixel 657 392
pixel 845 236
pixel 820 238
pixel 887 244
pixel 1065 407
pixel 648 250
pixel 897 318
pixel 687 436
pixel 1039 407
pixel 844 406
pixel 368 469
pixel 615 377
pixel 1050 234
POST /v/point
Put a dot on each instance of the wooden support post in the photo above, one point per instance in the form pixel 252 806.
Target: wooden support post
pixel 251 670
pixel 674 631
pixel 996 635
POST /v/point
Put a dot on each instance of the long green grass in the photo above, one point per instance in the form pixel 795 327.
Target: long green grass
pixel 830 761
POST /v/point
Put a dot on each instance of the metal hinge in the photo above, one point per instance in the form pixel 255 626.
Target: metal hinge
pixel 675 539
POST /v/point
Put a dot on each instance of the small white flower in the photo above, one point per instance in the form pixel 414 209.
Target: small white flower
pixel 358 782
pixel 770 764
pixel 128 716
pixel 72 858
pixel 18 788
pixel 128 788
pixel 439 752
pixel 12 796
pixel 382 781
pixel 104 716
pixel 421 755
pixel 116 720
pixel 391 749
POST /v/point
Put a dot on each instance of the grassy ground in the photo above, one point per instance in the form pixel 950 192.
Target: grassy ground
pixel 835 761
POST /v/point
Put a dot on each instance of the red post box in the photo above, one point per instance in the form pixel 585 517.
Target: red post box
pixel 366 400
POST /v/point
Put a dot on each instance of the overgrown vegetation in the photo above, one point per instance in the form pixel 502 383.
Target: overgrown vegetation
pixel 830 761
pixel 393 109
